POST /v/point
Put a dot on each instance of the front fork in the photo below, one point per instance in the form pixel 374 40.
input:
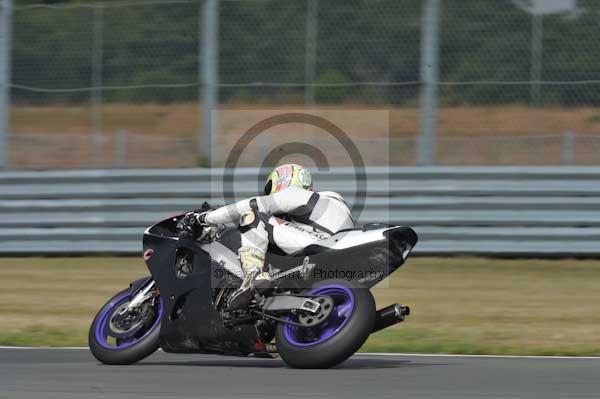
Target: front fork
pixel 141 291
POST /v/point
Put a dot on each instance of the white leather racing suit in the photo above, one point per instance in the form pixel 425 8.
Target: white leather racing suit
pixel 291 219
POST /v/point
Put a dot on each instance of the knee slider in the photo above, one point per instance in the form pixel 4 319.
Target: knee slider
pixel 250 220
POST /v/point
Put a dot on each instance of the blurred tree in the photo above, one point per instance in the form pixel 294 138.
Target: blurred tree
pixel 264 41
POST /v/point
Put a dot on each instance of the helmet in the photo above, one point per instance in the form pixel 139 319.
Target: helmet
pixel 285 176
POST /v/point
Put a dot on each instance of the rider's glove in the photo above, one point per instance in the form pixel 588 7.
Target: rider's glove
pixel 209 232
pixel 191 225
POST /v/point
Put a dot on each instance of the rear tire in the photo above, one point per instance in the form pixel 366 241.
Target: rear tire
pixel 339 347
pixel 138 350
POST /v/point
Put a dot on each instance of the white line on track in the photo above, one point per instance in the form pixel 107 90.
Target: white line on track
pixel 357 354
pixel 45 347
pixel 479 356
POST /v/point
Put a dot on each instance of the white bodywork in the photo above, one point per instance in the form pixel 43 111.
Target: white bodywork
pixel 347 239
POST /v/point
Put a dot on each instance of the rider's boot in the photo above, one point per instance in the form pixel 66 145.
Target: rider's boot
pixel 256 279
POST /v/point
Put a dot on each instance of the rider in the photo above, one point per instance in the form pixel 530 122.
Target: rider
pixel 290 216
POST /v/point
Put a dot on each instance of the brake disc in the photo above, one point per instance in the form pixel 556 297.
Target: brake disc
pixel 123 321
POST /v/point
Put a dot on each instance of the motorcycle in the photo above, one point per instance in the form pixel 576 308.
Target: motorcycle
pixel 318 312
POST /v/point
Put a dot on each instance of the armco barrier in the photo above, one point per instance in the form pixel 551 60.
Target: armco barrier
pixel 495 211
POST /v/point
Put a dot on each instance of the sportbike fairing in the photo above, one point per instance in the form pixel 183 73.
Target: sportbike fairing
pixel 192 277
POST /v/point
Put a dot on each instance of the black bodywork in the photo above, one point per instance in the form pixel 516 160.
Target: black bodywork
pixel 193 321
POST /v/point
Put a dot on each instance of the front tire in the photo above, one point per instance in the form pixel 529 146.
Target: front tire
pixel 131 346
pixel 337 338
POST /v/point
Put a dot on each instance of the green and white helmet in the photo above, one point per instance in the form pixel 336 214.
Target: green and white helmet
pixel 290 175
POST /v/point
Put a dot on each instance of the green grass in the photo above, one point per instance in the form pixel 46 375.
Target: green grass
pixel 410 339
pixel 459 305
pixel 44 336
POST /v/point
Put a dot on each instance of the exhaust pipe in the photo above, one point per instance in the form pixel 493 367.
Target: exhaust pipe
pixel 389 316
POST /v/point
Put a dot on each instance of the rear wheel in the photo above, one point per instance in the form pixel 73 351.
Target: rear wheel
pixel 119 335
pixel 339 336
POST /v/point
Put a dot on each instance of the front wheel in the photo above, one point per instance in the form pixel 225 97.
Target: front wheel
pixel 119 335
pixel 338 337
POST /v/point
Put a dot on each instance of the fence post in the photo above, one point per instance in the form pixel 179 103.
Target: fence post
pixel 209 76
pixel 5 68
pixel 429 75
pixel 310 56
pixel 120 149
pixel 568 148
pixel 537 32
pixel 96 100
pixel 97 57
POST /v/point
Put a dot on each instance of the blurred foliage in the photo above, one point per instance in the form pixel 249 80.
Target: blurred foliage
pixel 264 41
pixel 330 94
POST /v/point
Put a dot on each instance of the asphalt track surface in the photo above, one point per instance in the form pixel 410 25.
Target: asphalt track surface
pixel 69 374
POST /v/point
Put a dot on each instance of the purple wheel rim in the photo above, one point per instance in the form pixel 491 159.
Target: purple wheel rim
pixel 344 306
pixel 102 327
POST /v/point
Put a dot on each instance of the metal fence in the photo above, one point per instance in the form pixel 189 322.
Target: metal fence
pixel 74 76
pixel 130 150
pixel 498 211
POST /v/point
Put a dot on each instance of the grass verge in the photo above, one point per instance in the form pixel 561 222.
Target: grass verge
pixel 460 305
